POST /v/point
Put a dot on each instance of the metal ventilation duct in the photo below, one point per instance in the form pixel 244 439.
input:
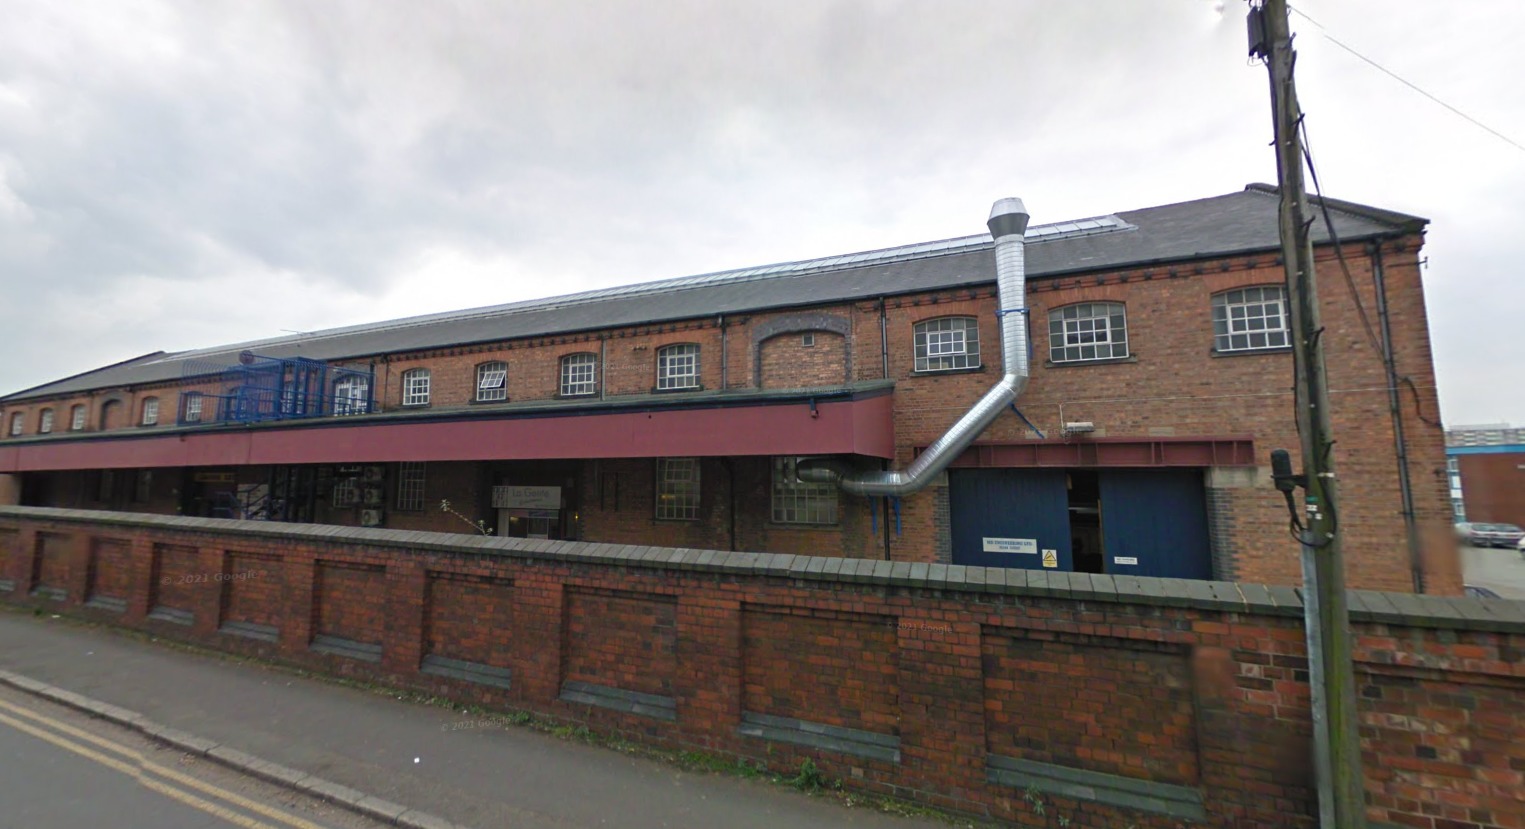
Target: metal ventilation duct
pixel 1008 226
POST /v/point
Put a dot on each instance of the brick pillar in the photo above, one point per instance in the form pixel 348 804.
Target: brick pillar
pixel 24 565
pixel 708 681
pixel 407 586
pixel 208 594
pixel 140 582
pixel 1222 526
pixel 296 627
pixel 81 547
pixel 942 703
pixel 538 637
pixel 10 490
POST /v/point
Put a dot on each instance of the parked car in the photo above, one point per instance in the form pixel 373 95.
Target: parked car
pixel 1521 547
pixel 1490 535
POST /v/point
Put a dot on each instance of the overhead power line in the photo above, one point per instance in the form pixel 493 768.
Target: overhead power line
pixel 1400 79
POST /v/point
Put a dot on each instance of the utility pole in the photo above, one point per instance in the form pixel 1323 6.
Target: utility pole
pixel 1337 746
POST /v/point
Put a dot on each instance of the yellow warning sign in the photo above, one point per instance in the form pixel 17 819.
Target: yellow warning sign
pixel 1050 558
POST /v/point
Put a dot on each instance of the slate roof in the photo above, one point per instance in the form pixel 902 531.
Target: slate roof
pixel 1227 225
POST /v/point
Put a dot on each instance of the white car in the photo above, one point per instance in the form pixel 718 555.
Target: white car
pixel 1521 547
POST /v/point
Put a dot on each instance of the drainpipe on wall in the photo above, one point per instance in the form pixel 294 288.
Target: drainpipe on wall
pixel 1395 409
pixel 720 320
pixel 884 342
pixel 1008 227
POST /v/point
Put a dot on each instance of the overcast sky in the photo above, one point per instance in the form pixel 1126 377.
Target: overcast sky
pixel 183 174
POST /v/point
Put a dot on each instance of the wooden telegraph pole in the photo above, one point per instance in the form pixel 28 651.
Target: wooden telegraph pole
pixel 1337 749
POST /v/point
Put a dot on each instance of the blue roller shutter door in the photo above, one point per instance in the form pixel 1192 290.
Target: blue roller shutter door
pixel 1157 517
pixel 1011 504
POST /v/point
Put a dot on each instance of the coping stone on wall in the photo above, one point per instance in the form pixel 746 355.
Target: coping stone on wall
pixel 1401 609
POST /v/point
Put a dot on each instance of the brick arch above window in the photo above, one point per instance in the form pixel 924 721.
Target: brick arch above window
pixel 799 324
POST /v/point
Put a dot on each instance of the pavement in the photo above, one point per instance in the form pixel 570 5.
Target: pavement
pixel 65 769
pixel 1498 569
pixel 432 763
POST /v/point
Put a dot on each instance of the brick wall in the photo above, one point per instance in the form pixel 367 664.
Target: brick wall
pixel 959 687
pixel 110 576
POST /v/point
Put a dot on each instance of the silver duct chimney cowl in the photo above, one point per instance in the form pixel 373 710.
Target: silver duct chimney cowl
pixel 1008 226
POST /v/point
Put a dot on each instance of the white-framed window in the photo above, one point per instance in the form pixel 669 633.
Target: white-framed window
pixel 1251 319
pixel 151 411
pixel 795 502
pixel 678 489
pixel 77 417
pixel 947 344
pixel 352 395
pixel 346 492
pixel 18 423
pixel 678 366
pixel 192 407
pixel 45 422
pixel 415 387
pixel 1087 331
pixel 579 374
pixel 492 381
pixel 410 486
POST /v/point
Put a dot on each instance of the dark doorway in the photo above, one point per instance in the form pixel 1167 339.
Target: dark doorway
pixel 1085 521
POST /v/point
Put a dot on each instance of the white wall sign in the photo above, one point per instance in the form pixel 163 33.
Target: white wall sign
pixel 1125 560
pixel 526 497
pixel 1028 546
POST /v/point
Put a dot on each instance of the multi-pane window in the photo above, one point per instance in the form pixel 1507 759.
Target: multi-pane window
pixel 678 367
pixel 947 344
pixel 796 502
pixel 45 421
pixel 151 411
pixel 415 387
pixel 1088 331
pixel 678 489
pixel 352 395
pixel 578 374
pixel 1251 318
pixel 410 486
pixel 492 381
pixel 346 492
pixel 77 418
pixel 193 407
pixel 18 421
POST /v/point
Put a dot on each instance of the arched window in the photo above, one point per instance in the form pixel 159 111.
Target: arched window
pixel 1251 319
pixel 1087 331
pixel 45 422
pixel 111 415
pixel 18 423
pixel 77 417
pixel 947 344
pixel 492 381
pixel 150 411
pixel 678 367
pixel 415 387
pixel 352 395
pixel 579 375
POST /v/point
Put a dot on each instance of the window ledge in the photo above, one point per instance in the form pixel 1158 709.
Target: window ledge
pixel 476 402
pixel 1110 361
pixel 778 525
pixel 942 371
pixel 587 395
pixel 416 405
pixel 1251 352
pixel 677 391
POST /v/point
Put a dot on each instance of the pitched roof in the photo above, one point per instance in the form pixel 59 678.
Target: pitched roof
pixel 1227 225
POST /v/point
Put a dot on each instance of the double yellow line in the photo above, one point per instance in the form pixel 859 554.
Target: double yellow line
pixel 149 774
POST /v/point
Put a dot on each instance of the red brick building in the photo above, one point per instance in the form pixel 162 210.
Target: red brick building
pixel 675 413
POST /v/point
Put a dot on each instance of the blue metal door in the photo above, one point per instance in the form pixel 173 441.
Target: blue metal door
pixel 992 509
pixel 1154 523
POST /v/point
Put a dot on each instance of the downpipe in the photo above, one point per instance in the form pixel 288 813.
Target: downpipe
pixel 1008 227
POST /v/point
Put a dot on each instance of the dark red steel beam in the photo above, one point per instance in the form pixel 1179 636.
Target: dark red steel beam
pixel 1134 452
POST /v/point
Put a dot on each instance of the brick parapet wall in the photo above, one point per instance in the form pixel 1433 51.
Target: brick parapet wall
pixel 937 682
